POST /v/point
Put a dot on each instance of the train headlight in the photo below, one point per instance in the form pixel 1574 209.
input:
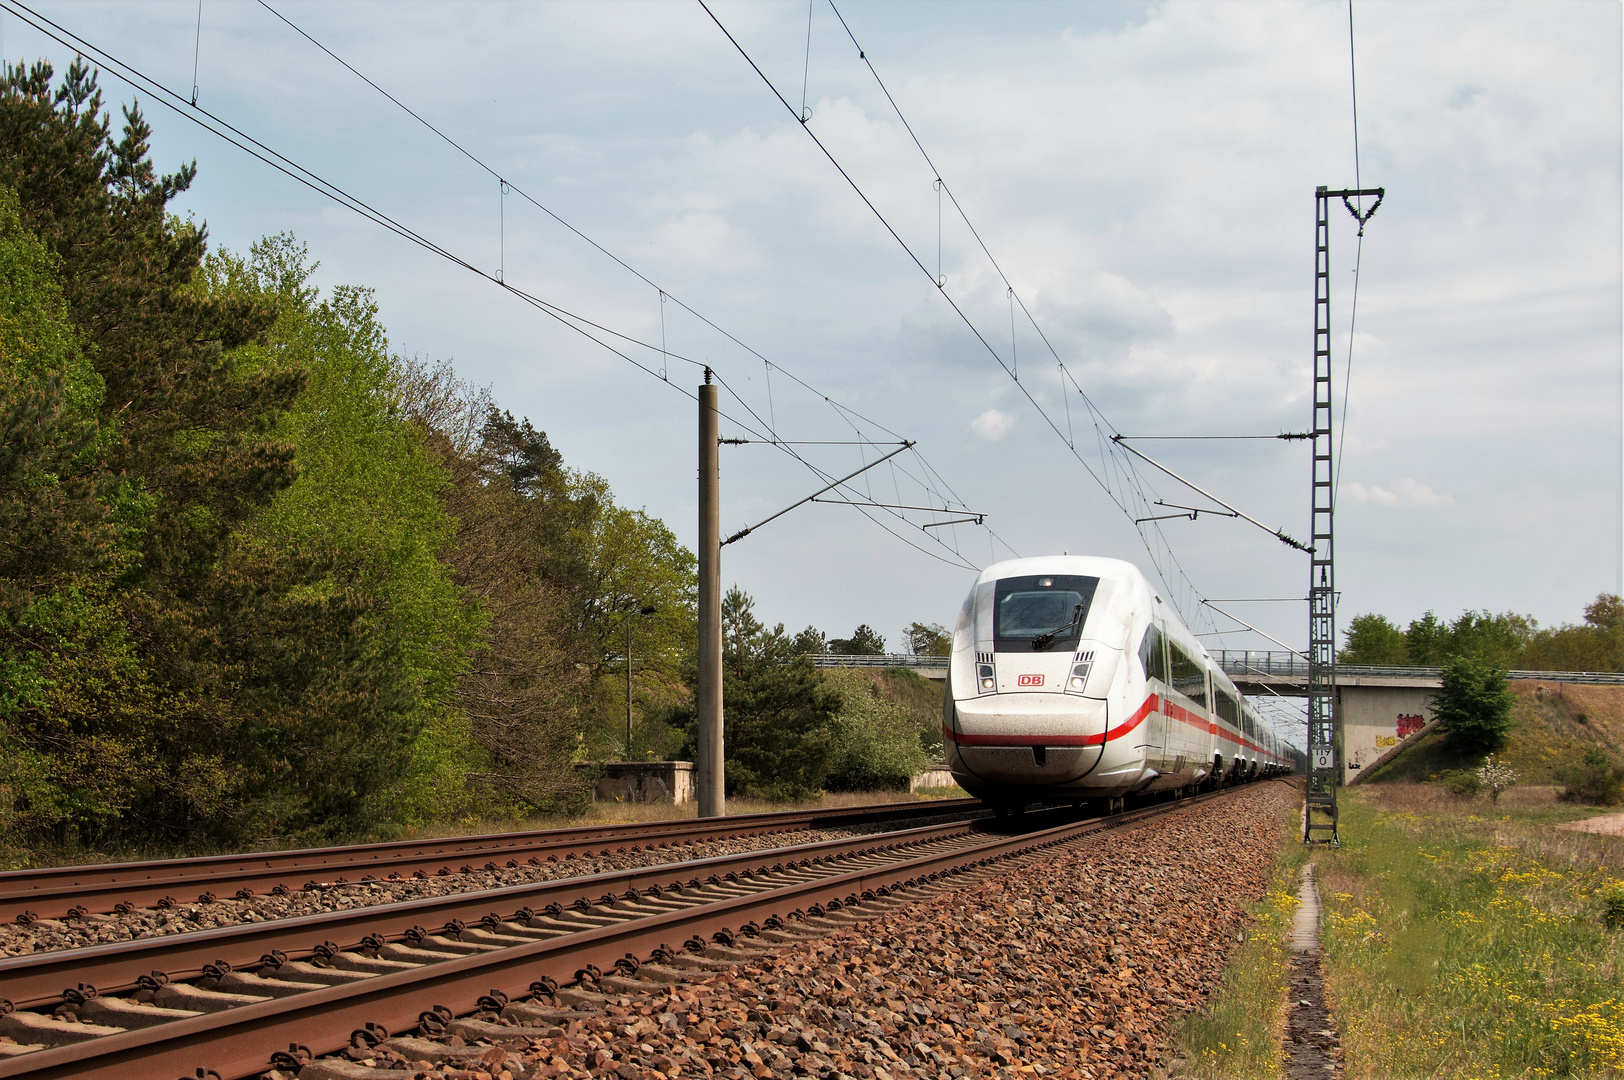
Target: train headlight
pixel 1078 679
pixel 986 679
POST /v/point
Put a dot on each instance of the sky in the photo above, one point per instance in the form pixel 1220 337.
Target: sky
pixel 1144 177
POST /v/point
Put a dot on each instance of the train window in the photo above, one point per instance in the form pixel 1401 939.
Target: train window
pixel 1189 677
pixel 1152 657
pixel 1041 606
pixel 1227 707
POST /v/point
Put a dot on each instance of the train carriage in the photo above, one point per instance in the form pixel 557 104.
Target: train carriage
pixel 1071 679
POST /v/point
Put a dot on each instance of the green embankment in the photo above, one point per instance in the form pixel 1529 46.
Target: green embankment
pixel 1556 724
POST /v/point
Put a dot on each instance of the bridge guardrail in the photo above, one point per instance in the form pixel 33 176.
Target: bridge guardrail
pixel 1290 665
pixel 872 660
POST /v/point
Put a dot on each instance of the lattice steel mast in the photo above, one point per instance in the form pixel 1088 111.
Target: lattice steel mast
pixel 1323 728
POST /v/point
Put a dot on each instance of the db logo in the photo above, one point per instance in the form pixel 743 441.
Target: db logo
pixel 1029 680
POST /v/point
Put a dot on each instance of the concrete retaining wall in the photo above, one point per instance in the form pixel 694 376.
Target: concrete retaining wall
pixel 643 781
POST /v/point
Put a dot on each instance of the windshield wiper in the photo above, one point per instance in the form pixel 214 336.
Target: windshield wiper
pixel 1043 641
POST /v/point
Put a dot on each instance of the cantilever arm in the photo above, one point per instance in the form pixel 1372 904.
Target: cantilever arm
pixel 742 533
pixel 1276 533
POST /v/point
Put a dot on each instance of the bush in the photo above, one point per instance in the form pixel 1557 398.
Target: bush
pixel 876 742
pixel 1497 776
pixel 1612 905
pixel 1474 706
pixel 1595 779
pixel 1464 782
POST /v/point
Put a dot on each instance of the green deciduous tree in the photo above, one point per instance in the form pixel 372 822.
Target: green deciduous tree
pixel 514 722
pixel 1474 706
pixel 631 561
pixel 1494 639
pixel 929 639
pixel 876 743
pixel 1597 644
pixel 366 507
pixel 1373 639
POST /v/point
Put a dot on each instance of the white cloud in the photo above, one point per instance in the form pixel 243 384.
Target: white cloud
pixel 992 425
pixel 1145 181
pixel 1403 492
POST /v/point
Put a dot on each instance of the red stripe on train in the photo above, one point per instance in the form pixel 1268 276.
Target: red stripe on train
pixel 1168 708
pixel 966 739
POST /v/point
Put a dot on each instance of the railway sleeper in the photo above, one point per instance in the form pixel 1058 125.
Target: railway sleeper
pixel 443 943
pixel 415 957
pixel 346 960
pixel 239 982
pixel 510 934
pixel 40 1030
pixel 341 1069
pixel 415 1048
pixel 14 1049
pixel 302 971
pixel 122 1013
pixel 184 996
pixel 529 1014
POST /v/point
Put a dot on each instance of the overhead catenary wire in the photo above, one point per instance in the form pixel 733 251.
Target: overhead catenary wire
pixel 1358 263
pixel 664 294
pixel 1121 479
pixel 197 49
pixel 259 150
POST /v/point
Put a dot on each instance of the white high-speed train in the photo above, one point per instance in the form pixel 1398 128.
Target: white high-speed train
pixel 1071 680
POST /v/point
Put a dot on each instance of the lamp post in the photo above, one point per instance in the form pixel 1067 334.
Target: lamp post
pixel 629 613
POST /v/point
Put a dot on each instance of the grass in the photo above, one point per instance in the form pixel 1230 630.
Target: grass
pixel 1469 939
pixel 1237 1034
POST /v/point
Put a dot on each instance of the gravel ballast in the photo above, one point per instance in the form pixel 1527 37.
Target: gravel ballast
pixel 185 916
pixel 1073 964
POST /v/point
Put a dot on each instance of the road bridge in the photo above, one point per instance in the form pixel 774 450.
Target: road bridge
pixel 1379 706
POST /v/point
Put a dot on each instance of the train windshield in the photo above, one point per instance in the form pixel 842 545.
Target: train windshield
pixel 1042 611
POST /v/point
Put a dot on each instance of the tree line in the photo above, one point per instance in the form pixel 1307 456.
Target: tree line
pixel 1507 641
pixel 260 575
pixel 265 579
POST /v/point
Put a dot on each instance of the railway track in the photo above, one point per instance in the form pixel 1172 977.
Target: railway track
pixel 365 976
pixel 55 892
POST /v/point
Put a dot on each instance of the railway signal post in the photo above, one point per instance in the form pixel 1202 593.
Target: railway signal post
pixel 1323 728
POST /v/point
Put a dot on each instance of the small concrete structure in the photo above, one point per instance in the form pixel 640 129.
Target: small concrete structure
pixel 935 776
pixel 643 781
pixel 1378 714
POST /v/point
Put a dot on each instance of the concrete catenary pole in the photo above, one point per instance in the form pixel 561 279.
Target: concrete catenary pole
pixel 712 801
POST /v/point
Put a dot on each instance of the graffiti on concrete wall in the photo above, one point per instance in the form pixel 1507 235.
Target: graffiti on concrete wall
pixel 1405 725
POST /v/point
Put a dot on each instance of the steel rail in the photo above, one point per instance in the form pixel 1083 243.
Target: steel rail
pixel 236 1043
pixel 57 891
pixel 38 979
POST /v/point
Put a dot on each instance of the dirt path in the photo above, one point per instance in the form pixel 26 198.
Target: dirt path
pixel 1607 824
pixel 1312 1048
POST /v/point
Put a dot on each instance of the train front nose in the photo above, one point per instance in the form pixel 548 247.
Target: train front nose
pixel 1027 739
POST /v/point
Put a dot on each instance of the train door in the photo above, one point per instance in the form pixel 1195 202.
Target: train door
pixel 1153 655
